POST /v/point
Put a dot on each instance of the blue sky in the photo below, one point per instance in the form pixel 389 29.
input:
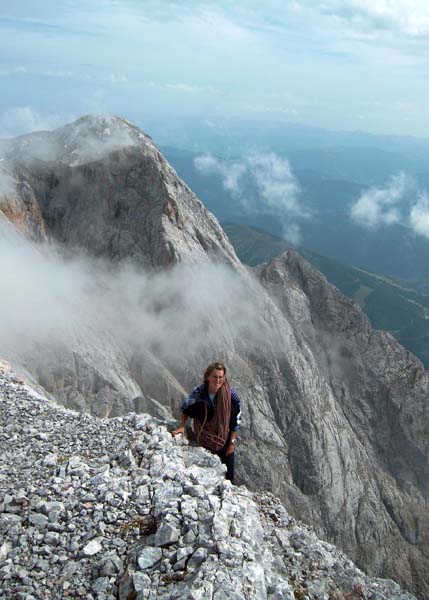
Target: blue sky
pixel 343 65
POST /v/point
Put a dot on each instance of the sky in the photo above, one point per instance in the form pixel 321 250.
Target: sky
pixel 341 65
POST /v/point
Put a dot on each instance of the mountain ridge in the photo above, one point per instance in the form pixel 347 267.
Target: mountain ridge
pixel 335 413
pixel 390 306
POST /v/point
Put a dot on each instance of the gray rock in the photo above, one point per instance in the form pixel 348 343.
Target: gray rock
pixel 91 548
pixel 141 581
pixel 149 557
pixel 110 565
pixel 166 535
pixel 38 520
pixel 101 585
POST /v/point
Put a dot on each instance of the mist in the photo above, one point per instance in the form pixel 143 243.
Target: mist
pixel 419 215
pixel 47 301
pixel 379 206
pixel 398 202
pixel 261 183
pixel 85 140
pixel 7 183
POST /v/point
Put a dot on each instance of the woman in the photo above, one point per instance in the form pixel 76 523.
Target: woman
pixel 215 408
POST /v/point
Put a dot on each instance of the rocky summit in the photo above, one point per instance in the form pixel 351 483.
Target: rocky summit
pixel 335 413
pixel 117 509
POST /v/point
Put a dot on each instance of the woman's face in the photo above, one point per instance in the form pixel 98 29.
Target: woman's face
pixel 215 380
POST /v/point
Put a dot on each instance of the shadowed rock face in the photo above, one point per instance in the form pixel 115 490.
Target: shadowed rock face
pixel 102 185
pixel 335 413
pixel 358 441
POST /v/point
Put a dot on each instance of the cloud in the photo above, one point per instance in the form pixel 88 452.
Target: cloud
pixel 24 119
pixel 292 233
pixel 220 26
pixel 116 78
pixel 410 17
pixel 220 45
pixel 18 70
pixel 261 183
pixel 85 140
pixel 50 302
pixel 181 87
pixel 58 73
pixel 7 183
pixel 419 216
pixel 378 206
pixel 92 138
pixel 185 87
pixel 276 183
pixel 392 204
pixel 230 173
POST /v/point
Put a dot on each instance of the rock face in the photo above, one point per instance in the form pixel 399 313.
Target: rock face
pixel 370 415
pixel 336 416
pixel 118 509
pixel 101 184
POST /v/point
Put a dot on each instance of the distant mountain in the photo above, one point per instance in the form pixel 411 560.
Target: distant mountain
pixel 393 251
pixel 351 156
pixel 324 193
pixel 335 413
pixel 401 311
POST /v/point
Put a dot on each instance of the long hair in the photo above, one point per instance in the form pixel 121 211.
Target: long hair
pixel 215 366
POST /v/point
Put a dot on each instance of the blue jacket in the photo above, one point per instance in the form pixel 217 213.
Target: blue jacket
pixel 193 406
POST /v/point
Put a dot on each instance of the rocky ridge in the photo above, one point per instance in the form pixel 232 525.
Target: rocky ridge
pixel 117 509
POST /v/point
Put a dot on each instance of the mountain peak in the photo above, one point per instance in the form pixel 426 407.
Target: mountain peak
pixel 89 138
pixel 101 169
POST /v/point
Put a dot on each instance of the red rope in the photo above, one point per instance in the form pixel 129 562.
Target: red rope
pixel 214 433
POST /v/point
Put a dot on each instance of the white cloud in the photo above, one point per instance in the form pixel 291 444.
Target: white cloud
pixel 419 216
pixel 220 26
pixel 183 87
pixel 276 183
pixel 84 140
pixel 378 206
pixel 230 173
pixel 18 70
pixel 24 119
pixel 7 183
pixel 410 17
pixel 116 78
pixel 331 56
pixel 268 176
pixel 57 73
pixel 278 189
pixel 292 233
pixel 390 205
pixel 160 312
pixel 180 87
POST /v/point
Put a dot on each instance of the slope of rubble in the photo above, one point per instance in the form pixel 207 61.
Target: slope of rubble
pixel 118 509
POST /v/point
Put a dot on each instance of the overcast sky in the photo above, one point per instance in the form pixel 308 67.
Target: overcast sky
pixel 344 65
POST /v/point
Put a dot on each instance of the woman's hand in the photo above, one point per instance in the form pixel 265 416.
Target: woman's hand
pixel 230 449
pixel 179 430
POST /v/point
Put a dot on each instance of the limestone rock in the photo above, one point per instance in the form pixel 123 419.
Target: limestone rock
pixel 244 545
